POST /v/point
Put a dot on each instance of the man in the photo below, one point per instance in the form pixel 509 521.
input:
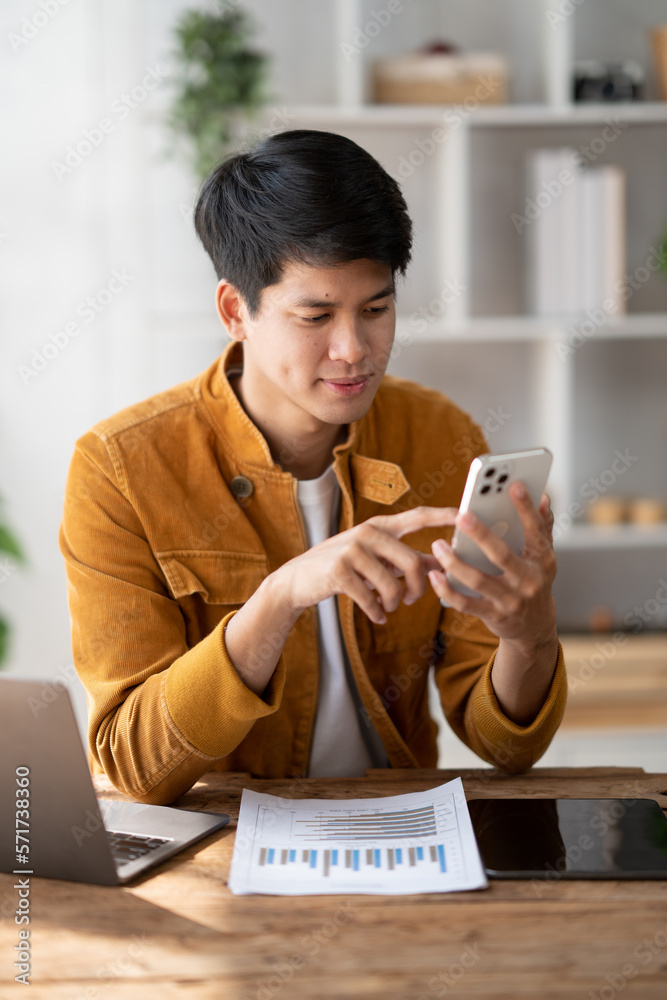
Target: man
pixel 254 581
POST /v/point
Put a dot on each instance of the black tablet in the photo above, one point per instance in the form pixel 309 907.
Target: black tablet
pixel 571 838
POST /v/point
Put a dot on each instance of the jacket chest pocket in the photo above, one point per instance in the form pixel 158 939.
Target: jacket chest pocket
pixel 208 585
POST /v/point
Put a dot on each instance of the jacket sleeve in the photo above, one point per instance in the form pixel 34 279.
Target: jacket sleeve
pixel 159 712
pixel 463 677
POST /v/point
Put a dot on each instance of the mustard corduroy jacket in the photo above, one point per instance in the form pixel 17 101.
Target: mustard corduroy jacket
pixel 160 552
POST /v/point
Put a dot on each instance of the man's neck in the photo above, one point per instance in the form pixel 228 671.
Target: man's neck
pixel 306 455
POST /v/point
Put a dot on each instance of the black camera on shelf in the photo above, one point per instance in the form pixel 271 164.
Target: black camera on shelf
pixel 617 81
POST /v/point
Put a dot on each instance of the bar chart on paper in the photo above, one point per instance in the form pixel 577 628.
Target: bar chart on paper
pixel 419 842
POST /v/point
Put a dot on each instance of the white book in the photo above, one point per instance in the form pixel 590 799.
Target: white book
pixel 553 241
pixel 541 234
pixel 571 260
pixel 592 224
pixel 613 235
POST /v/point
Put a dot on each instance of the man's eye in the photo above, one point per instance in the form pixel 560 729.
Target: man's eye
pixel 314 319
pixel 378 309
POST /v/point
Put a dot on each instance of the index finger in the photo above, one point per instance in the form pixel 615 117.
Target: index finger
pixel 536 531
pixel 408 521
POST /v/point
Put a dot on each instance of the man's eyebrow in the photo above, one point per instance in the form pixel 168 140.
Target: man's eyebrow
pixel 306 303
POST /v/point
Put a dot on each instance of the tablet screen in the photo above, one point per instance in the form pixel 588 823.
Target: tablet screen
pixel 571 838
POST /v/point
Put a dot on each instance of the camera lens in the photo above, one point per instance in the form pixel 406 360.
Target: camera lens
pixel 485 488
pixel 503 478
pixel 490 472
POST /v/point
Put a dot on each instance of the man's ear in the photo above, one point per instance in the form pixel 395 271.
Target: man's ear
pixel 231 309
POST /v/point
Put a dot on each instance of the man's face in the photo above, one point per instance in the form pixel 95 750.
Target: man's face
pixel 320 341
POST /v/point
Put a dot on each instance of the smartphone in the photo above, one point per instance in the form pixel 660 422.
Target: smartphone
pixel 486 495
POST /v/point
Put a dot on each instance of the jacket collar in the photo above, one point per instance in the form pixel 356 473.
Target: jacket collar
pixel 381 481
pixel 231 421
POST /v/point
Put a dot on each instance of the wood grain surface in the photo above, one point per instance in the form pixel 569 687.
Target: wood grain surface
pixel 180 932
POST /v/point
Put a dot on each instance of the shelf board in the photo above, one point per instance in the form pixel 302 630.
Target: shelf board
pixel 541 115
pixel 532 328
pixel 615 536
pixel 486 115
pixel 382 115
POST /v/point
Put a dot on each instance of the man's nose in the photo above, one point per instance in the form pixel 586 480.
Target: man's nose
pixel 348 342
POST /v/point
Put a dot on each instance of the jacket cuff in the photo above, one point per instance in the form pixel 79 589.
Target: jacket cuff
pixel 508 745
pixel 209 703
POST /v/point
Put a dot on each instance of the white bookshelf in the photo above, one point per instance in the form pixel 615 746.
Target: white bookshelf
pixel 461 197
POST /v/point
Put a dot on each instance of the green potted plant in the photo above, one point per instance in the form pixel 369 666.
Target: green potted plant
pixel 9 550
pixel 220 83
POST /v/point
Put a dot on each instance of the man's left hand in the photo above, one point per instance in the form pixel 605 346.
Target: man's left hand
pixel 517 605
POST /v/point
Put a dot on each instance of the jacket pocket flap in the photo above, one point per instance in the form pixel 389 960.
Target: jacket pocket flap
pixel 383 482
pixel 220 577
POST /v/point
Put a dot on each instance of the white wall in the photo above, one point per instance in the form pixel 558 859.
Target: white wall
pixel 64 235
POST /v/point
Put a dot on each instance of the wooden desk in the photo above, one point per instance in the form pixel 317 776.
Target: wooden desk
pixel 181 933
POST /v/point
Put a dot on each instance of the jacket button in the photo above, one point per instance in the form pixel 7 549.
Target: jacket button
pixel 242 487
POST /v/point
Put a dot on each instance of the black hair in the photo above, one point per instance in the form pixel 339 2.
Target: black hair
pixel 301 196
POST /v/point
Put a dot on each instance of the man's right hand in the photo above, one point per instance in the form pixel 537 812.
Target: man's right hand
pixel 365 562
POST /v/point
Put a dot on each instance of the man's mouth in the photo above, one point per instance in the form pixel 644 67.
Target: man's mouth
pixel 351 386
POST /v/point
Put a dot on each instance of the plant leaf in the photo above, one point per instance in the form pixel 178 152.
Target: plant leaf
pixel 9 544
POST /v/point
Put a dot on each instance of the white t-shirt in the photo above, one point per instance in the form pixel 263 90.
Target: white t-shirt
pixel 340 747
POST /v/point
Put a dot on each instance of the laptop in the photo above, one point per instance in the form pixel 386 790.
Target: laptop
pixel 59 829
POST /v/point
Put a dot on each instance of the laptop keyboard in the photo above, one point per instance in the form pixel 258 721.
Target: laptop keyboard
pixel 130 846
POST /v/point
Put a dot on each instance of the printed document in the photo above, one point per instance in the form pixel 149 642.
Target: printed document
pixel 398 844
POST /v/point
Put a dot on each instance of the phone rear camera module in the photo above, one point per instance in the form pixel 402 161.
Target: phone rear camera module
pixel 489 472
pixel 485 489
